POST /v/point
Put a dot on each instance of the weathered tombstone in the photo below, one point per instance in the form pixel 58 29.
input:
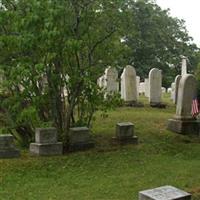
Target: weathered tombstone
pixel 7 147
pixel 146 89
pixel 129 85
pixel 46 142
pixel 183 122
pixel 169 90
pixel 163 90
pixel 177 81
pixel 142 88
pixel 155 82
pixel 138 85
pixel 111 83
pixel 184 66
pixel 101 81
pixel 80 139
pixel 164 193
pixel 125 133
pixel 173 91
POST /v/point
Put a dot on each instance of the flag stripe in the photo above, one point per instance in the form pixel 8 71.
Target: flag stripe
pixel 195 107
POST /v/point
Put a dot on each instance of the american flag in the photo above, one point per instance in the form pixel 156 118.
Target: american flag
pixel 195 107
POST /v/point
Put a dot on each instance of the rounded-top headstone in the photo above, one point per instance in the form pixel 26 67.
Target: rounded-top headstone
pixel 186 93
pixel 155 85
pixel 129 84
pixel 111 75
pixel 177 81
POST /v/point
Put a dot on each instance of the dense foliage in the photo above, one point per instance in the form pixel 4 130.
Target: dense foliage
pixel 53 51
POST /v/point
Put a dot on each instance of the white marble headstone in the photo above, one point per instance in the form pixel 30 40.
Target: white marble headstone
pixel 128 84
pixel 155 83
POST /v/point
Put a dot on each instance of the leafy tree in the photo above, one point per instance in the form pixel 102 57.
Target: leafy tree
pixel 50 48
pixel 155 39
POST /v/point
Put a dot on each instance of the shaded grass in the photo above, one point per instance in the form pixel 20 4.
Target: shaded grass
pixel 110 172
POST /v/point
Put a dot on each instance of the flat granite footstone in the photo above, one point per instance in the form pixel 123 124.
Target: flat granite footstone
pixel 164 193
pixel 7 147
pixel 46 143
pixel 80 139
pixel 125 133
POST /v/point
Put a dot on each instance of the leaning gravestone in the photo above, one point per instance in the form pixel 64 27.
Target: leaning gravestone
pixel 125 133
pixel 183 122
pixel 7 147
pixel 46 142
pixel 164 193
pixel 155 88
pixel 129 85
pixel 177 81
pixel 80 139
pixel 111 83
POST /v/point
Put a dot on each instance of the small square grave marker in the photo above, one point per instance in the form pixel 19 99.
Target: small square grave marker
pixel 164 193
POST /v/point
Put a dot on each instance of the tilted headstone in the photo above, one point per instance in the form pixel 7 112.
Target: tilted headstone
pixel 146 89
pixel 164 193
pixel 184 66
pixel 129 85
pixel 155 82
pixel 125 133
pixel 111 83
pixel 80 139
pixel 7 147
pixel 183 122
pixel 177 81
pixel 46 142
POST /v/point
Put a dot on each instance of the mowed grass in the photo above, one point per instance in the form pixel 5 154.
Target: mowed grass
pixel 110 171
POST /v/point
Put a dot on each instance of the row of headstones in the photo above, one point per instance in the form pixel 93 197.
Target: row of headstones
pixel 130 85
pixel 46 143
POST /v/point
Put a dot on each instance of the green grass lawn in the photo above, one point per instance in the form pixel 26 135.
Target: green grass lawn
pixel 110 172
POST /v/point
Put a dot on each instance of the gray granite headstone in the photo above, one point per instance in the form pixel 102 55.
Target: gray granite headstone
pixel 177 81
pixel 164 193
pixel 155 85
pixel 125 133
pixel 7 147
pixel 183 122
pixel 46 142
pixel 80 139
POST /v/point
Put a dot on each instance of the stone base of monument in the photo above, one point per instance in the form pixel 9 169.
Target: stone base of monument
pixel 123 141
pixel 46 149
pixel 46 143
pixel 80 139
pixel 125 134
pixel 133 104
pixel 158 105
pixel 184 126
pixel 7 147
pixel 164 193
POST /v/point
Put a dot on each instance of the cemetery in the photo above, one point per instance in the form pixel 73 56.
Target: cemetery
pixel 99 100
